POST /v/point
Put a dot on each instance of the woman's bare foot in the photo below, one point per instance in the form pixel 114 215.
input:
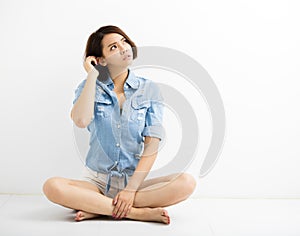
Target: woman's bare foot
pixel 82 215
pixel 150 214
pixel 142 214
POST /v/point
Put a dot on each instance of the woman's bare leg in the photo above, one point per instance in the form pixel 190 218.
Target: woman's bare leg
pixel 85 197
pixel 165 191
pixel 159 192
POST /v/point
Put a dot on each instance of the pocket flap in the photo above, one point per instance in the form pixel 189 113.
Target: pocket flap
pixel 103 98
pixel 140 102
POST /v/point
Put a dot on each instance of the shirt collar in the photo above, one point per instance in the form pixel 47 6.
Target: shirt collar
pixel 131 80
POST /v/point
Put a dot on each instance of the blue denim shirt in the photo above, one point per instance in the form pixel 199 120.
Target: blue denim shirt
pixel 117 139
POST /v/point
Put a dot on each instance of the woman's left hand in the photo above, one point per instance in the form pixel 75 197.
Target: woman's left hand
pixel 123 203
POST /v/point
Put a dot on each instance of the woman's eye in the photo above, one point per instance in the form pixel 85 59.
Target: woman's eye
pixel 113 47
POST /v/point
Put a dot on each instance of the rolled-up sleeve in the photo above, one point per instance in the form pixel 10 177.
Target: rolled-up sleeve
pixel 78 91
pixel 154 116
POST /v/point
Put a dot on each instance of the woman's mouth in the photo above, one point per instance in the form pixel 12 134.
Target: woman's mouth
pixel 127 57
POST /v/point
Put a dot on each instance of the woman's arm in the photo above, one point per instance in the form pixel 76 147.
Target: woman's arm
pixel 145 164
pixel 83 110
pixel 124 199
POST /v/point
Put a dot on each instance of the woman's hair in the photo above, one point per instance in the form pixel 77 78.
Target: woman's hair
pixel 94 44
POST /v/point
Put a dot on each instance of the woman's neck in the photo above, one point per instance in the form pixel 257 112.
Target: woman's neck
pixel 118 77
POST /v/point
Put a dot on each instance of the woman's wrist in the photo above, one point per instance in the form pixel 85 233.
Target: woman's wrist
pixel 93 74
pixel 131 188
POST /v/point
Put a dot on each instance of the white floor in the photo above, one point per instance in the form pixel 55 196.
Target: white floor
pixel 35 215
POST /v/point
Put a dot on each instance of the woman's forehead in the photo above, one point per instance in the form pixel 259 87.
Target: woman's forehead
pixel 111 38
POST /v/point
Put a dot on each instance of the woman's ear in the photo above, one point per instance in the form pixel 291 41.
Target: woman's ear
pixel 101 61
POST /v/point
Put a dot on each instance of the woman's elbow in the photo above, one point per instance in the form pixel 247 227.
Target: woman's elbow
pixel 81 123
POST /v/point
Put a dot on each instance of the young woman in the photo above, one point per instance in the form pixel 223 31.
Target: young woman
pixel 123 114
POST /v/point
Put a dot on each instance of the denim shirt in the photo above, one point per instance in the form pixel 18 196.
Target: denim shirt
pixel 117 138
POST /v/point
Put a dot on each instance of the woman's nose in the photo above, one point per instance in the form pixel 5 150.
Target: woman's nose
pixel 122 49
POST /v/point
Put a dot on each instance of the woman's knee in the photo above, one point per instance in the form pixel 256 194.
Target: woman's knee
pixel 188 183
pixel 52 188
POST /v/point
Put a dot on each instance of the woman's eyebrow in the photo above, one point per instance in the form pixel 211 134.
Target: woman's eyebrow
pixel 114 42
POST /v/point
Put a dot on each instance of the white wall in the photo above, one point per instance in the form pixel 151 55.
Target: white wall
pixel 250 48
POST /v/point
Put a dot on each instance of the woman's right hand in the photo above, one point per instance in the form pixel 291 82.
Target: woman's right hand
pixel 88 64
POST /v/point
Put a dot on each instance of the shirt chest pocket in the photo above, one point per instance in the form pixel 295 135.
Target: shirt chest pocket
pixel 103 108
pixel 139 109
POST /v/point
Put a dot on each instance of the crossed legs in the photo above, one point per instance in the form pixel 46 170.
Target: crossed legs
pixel 86 198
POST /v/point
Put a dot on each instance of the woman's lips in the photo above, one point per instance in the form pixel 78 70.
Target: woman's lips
pixel 126 57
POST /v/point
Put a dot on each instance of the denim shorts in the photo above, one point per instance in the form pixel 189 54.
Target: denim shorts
pixel 100 180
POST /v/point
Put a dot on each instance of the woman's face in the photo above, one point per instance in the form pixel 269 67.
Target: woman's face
pixel 116 50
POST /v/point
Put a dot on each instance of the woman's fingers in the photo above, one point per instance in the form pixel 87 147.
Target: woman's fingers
pixel 115 201
pixel 121 210
pixel 93 59
pixel 123 202
pixel 88 63
pixel 118 203
pixel 126 211
pixel 120 207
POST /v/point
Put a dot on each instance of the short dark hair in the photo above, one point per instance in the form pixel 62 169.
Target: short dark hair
pixel 94 45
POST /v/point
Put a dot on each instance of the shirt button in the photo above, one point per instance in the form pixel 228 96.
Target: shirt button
pixel 118 145
pixel 118 126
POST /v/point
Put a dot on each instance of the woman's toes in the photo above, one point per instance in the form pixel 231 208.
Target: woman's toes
pixel 166 217
pixel 165 213
pixel 79 216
